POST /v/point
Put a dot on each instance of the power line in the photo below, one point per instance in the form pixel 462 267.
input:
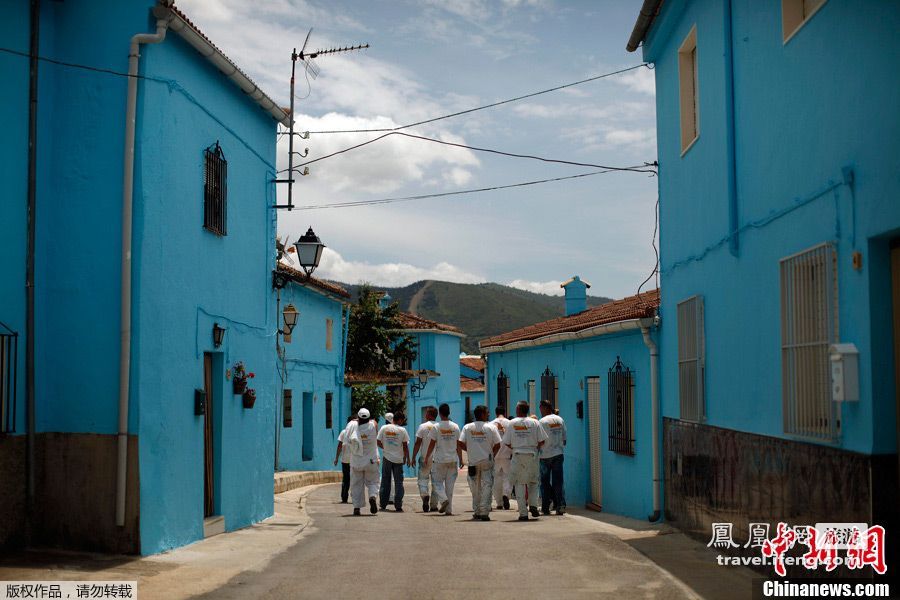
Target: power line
pixel 492 105
pixel 355 203
pixel 475 148
pixel 78 66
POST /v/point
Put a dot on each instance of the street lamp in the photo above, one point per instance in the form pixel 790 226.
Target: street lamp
pixel 309 251
pixel 423 381
pixel 290 314
pixel 218 335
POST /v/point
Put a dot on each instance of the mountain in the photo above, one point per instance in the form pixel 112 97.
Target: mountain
pixel 479 310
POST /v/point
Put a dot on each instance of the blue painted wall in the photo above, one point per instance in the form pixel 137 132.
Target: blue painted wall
pixel 803 111
pixel 14 32
pixel 627 485
pixel 312 369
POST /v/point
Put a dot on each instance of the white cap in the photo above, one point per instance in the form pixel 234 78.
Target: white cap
pixel 389 417
pixel 363 413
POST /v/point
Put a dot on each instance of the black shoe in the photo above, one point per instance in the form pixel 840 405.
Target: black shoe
pixel 398 509
pixel 560 512
pixel 534 512
pixel 499 507
pixel 344 501
pixel 355 512
pixel 523 517
pixel 389 502
pixel 383 507
pixel 505 502
pixel 484 518
pixel 425 507
pixel 545 512
pixel 373 506
pixel 444 506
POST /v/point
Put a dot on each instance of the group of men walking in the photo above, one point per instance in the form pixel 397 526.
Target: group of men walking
pixel 506 458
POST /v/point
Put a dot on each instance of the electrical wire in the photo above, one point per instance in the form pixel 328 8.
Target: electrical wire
pixel 492 105
pixel 655 271
pixel 357 203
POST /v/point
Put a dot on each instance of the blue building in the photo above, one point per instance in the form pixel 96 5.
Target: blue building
pixel 471 384
pixel 778 137
pixel 313 405
pixel 594 365
pixel 151 280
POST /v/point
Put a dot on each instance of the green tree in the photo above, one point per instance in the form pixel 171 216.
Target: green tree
pixel 369 396
pixel 375 344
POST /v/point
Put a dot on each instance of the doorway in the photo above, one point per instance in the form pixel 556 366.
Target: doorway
pixel 895 304
pixel 308 445
pixel 594 436
pixel 209 436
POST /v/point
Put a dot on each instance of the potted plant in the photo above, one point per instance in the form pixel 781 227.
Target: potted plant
pixel 249 397
pixel 240 377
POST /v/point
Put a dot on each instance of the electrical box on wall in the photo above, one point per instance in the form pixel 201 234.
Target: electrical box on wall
pixel 844 373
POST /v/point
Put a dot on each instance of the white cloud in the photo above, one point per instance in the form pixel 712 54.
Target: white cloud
pixel 336 268
pixel 551 288
pixel 639 80
pixel 630 137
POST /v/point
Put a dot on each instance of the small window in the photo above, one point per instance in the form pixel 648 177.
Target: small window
pixel 503 392
pixel 795 14
pixel 329 334
pixel 469 417
pixel 287 408
pixel 549 387
pixel 532 408
pixel 621 409
pixel 689 96
pixel 691 359
pixel 328 401
pixel 808 328
pixel 215 190
pixel 9 349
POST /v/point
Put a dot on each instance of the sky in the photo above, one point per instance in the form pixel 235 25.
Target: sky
pixel 433 57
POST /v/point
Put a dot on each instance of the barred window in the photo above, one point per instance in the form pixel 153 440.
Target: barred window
pixel 503 392
pixel 621 409
pixel 691 359
pixel 287 408
pixel 329 399
pixel 215 190
pixel 549 387
pixel 808 327
pixel 9 349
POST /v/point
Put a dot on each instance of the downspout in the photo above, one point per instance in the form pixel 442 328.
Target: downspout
pixel 731 168
pixel 654 411
pixel 127 202
pixel 29 256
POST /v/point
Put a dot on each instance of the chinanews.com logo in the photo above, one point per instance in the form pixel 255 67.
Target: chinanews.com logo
pixel 855 546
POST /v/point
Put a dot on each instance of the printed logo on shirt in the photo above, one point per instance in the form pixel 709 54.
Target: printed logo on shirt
pixel 447 432
pixel 520 427
pixel 390 434
pixel 476 433
pixel 555 425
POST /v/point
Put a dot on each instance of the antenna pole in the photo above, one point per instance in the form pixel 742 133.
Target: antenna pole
pixel 290 203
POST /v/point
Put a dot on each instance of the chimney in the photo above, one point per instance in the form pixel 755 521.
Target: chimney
pixel 576 295
pixel 385 301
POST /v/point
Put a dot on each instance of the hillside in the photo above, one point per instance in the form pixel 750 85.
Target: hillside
pixel 479 310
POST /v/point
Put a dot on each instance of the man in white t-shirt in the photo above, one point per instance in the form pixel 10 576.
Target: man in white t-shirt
pixel 344 454
pixel 481 442
pixel 552 460
pixel 360 436
pixel 501 462
pixel 524 436
pixel 447 458
pixel 423 474
pixel 394 443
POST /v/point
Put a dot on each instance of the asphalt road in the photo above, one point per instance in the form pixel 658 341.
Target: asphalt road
pixel 417 555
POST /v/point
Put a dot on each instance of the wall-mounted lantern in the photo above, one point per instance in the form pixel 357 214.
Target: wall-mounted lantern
pixel 290 315
pixel 423 381
pixel 309 251
pixel 218 335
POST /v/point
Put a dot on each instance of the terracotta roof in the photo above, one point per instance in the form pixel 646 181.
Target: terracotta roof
pixel 389 378
pixel 632 307
pixel 411 321
pixel 301 278
pixel 473 362
pixel 467 384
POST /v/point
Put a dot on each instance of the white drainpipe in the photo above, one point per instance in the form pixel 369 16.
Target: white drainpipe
pixel 125 326
pixel 654 411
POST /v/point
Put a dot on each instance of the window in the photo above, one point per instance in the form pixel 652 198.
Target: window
pixel 469 418
pixel 795 14
pixel 621 409
pixel 549 387
pixel 329 334
pixel 531 403
pixel 215 188
pixel 808 328
pixel 689 97
pixel 9 347
pixel 503 392
pixel 691 359
pixel 329 397
pixel 287 409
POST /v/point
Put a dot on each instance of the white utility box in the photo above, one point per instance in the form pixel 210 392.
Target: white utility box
pixel 844 373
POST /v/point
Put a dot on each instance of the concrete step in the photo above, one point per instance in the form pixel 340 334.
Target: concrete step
pixel 290 480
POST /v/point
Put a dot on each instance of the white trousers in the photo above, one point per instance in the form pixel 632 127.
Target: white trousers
pixel 364 483
pixel 424 480
pixel 524 475
pixel 444 477
pixel 501 480
pixel 481 485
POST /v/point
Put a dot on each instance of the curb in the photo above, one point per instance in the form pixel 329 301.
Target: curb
pixel 290 480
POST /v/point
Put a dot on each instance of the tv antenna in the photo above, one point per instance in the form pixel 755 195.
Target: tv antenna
pixel 308 60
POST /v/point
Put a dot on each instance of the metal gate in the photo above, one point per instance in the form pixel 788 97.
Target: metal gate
pixel 594 437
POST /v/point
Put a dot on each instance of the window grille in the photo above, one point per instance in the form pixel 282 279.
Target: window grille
pixel 9 350
pixel 621 409
pixel 691 359
pixel 503 392
pixel 808 327
pixel 594 432
pixel 531 403
pixel 549 387
pixel 215 190
pixel 469 416
pixel 329 398
pixel 287 408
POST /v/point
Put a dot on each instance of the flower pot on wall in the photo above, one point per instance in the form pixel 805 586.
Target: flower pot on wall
pixel 239 385
pixel 249 397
